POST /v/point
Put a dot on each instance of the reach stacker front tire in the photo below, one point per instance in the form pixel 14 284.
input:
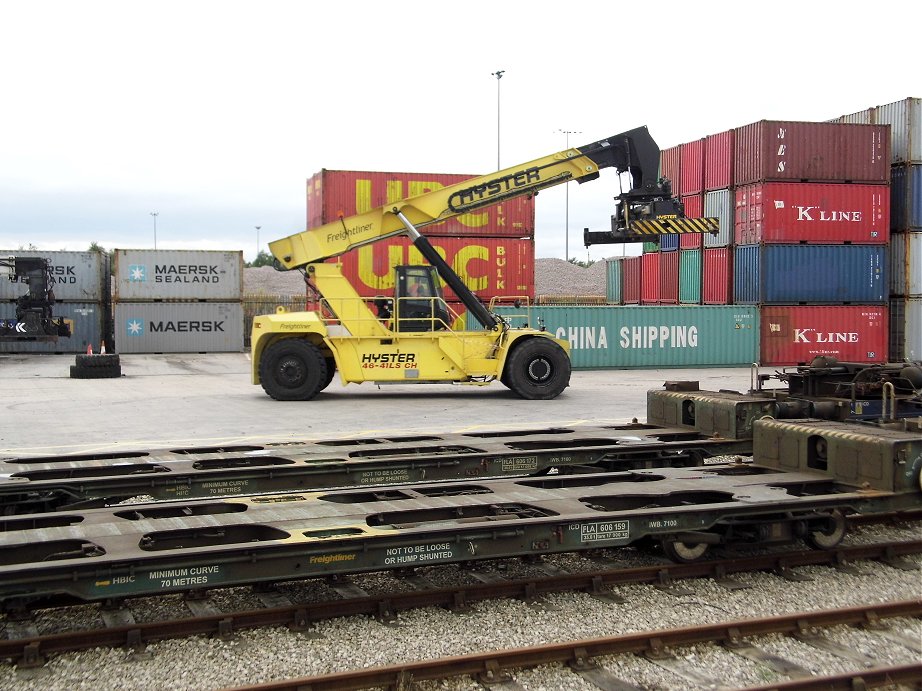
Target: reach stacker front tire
pixel 293 369
pixel 537 369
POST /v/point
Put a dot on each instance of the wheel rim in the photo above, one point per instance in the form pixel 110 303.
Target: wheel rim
pixel 291 372
pixel 685 552
pixel 540 370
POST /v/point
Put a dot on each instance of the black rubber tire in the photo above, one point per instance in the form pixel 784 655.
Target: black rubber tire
pixel 537 369
pixel 106 360
pixel 293 369
pixel 112 372
pixel 331 372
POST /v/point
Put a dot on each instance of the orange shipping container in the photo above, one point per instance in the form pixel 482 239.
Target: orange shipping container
pixel 490 267
pixel 335 193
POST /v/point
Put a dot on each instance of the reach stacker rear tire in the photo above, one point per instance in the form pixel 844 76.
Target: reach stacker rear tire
pixel 293 369
pixel 537 369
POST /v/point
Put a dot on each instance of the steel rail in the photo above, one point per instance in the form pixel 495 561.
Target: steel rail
pixel 577 654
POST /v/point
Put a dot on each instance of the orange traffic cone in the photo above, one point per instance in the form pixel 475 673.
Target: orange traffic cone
pixel 89 348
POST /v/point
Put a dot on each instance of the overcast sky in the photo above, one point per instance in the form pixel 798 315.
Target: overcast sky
pixel 214 114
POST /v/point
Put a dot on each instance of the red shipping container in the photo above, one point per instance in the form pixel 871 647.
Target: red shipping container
pixel 694 208
pixel 812 151
pixel 670 166
pixel 718 159
pixel 490 267
pixel 649 277
pixel 692 167
pixel 331 193
pixel 669 278
pixel 717 276
pixel 794 335
pixel 632 270
pixel 798 212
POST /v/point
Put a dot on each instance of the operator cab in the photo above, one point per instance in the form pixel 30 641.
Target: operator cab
pixel 418 299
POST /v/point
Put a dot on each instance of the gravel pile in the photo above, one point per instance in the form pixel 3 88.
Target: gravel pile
pixel 552 277
pixel 353 642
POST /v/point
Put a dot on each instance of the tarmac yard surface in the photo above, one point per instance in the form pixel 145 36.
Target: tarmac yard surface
pixel 179 400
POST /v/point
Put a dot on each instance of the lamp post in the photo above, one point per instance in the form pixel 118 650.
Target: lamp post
pixel 155 214
pixel 499 75
pixel 257 242
pixel 567 133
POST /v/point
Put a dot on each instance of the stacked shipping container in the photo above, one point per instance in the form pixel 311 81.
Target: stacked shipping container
pixel 80 282
pixel 905 286
pixel 178 301
pixel 809 218
pixel 811 226
pixel 491 249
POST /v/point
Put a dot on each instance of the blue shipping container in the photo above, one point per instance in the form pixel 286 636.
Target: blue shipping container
pixel 668 243
pixel 810 274
pixel 906 197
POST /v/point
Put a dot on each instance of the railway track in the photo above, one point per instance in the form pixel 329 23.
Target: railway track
pixel 26 648
pixel 741 637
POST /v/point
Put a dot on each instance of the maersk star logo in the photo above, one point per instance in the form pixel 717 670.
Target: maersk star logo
pixel 137 272
pixel 135 327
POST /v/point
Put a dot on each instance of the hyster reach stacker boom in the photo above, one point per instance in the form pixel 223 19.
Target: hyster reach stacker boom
pixel 407 337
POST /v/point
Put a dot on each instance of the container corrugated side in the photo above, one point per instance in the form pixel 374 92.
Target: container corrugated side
pixel 906 197
pixel 905 120
pixel 649 278
pixel 489 266
pixel 179 327
pixel 811 151
pixel 694 208
pixel 670 167
pixel 906 264
pixel 632 272
pixel 613 274
pixel 717 276
pixel 803 212
pixel 803 274
pixel 905 329
pixel 88 329
pixel 692 167
pixel 655 336
pixel 718 160
pixel 690 277
pixel 794 335
pixel 669 242
pixel 331 193
pixel 183 275
pixel 719 204
pixel 75 276
pixel 669 278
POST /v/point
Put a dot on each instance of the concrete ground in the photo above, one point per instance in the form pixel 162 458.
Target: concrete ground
pixel 189 399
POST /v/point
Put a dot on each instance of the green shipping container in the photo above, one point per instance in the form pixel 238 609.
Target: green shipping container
pixel 650 247
pixel 690 276
pixel 644 336
pixel 613 272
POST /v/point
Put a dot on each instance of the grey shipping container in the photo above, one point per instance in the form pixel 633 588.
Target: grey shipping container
pixel 187 275
pixel 719 204
pixel 810 274
pixel 905 120
pixel 88 322
pixel 75 276
pixel 906 264
pixel 905 329
pixel 653 336
pixel 179 327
